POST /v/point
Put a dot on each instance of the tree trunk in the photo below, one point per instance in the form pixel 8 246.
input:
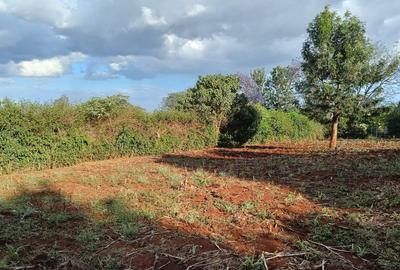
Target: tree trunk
pixel 334 131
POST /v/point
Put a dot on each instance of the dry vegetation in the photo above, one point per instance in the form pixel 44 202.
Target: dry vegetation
pixel 275 206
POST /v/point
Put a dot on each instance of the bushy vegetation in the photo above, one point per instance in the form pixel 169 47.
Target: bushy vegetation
pixel 59 133
pixel 274 125
pixel 393 121
pixel 256 124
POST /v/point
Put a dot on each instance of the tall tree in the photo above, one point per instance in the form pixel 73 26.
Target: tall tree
pixel 280 88
pixel 342 68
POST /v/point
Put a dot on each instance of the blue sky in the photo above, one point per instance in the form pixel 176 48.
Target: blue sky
pixel 148 48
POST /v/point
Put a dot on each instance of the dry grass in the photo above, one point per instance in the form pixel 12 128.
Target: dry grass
pixel 210 210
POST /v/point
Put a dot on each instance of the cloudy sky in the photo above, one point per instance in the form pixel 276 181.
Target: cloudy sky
pixel 146 49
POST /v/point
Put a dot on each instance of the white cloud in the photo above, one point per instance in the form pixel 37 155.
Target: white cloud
pixel 181 47
pixel 196 10
pixel 55 66
pixel 150 18
pixel 53 12
pixel 3 6
pixel 147 38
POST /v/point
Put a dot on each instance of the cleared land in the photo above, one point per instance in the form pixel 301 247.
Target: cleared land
pixel 287 206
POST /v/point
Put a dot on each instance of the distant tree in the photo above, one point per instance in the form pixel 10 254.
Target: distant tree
pixel 250 89
pixel 175 101
pixel 343 70
pixel 280 88
pixel 98 109
pixel 214 96
pixel 259 76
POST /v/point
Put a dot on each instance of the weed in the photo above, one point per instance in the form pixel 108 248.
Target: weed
pixel 128 230
pixel 264 214
pixel 292 198
pixel 226 206
pixel 58 218
pixel 89 238
pixel 251 263
pixel 247 206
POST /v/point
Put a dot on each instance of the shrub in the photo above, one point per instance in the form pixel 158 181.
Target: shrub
pixel 37 136
pixel 393 122
pixel 256 124
pixel 241 127
pixel 277 126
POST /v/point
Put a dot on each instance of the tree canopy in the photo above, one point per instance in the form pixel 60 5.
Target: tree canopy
pixel 344 72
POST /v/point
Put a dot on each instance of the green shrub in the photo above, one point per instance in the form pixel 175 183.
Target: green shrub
pixel 393 122
pixel 241 127
pixel 277 126
pixel 256 124
pixel 37 136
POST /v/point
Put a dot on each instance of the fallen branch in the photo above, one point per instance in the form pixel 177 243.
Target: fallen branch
pixel 281 255
pixel 21 267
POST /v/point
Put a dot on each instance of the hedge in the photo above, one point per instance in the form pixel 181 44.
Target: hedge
pixel 255 124
pixel 38 136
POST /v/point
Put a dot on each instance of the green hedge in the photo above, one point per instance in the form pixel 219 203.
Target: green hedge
pixel 37 136
pixel 256 124
pixel 280 126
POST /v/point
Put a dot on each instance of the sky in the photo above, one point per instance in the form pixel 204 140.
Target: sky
pixel 149 48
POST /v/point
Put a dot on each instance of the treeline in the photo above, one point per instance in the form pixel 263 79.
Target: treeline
pixel 340 82
pixel 237 116
pixel 36 136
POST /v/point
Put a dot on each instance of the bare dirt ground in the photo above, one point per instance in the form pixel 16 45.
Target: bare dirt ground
pixel 275 206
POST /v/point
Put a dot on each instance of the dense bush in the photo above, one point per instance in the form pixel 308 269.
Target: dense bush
pixel 36 136
pixel 393 122
pixel 256 124
pixel 277 126
pixel 241 128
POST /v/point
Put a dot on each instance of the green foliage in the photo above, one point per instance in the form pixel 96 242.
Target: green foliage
pixel 344 72
pixel 393 122
pixel 213 97
pixel 278 125
pixel 256 124
pixel 279 90
pixel 176 101
pixel 241 127
pixel 104 108
pixel 37 136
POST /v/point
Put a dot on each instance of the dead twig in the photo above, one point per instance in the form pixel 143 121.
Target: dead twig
pixel 165 264
pixel 281 255
pixel 104 248
pixel 264 261
pixel 173 256
pixel 21 267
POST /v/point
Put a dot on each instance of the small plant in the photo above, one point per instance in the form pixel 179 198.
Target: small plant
pixel 292 198
pixel 247 206
pixel 88 238
pixel 251 263
pixel 360 250
pixel 13 252
pixel 264 214
pixel 128 230
pixel 58 218
pixel 226 206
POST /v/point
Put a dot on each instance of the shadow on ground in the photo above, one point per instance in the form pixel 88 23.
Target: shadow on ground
pixel 44 230
pixel 346 178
